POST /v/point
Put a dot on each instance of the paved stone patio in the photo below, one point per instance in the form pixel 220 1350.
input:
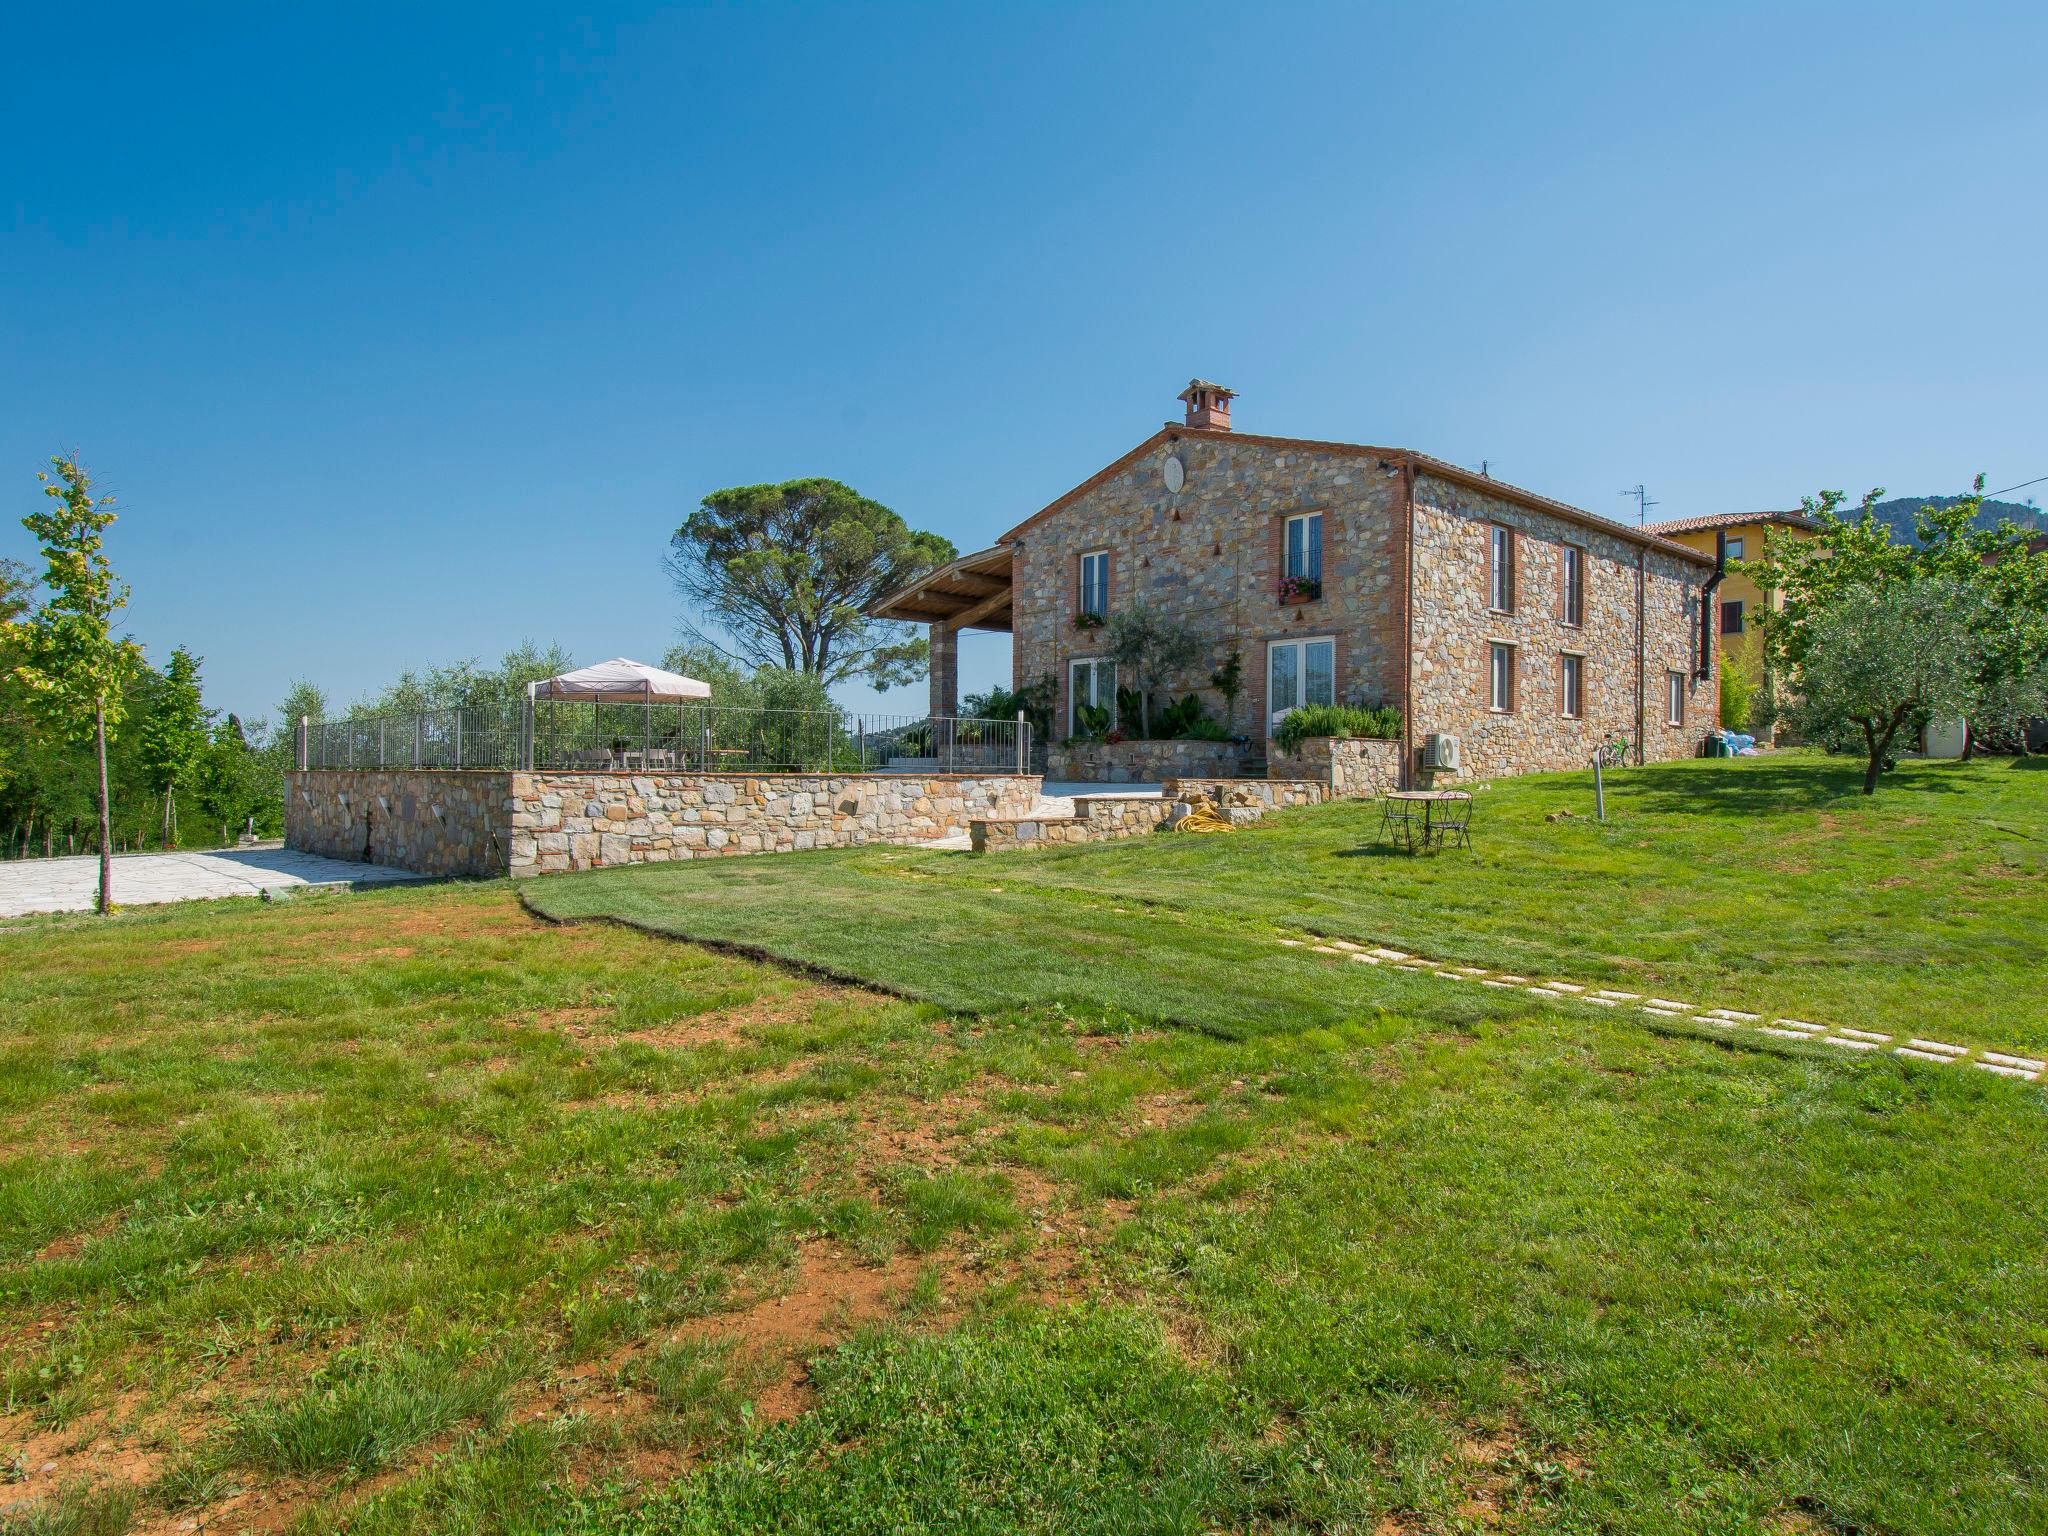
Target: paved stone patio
pixel 144 879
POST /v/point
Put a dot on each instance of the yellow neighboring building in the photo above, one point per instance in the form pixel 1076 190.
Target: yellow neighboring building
pixel 1739 597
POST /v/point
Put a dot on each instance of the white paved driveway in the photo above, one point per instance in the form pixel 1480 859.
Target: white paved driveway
pixel 140 879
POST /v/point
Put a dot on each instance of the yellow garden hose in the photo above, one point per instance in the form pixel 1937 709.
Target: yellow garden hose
pixel 1203 816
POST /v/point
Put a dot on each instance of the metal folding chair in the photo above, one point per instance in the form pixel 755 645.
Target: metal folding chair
pixel 1453 822
pixel 1397 821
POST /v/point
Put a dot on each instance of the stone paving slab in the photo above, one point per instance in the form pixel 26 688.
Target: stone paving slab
pixel 1942 1054
pixel 146 879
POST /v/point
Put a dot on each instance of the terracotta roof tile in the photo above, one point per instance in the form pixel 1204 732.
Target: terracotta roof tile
pixel 1671 525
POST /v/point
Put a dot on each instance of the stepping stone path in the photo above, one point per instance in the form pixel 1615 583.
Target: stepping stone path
pixel 1734 1020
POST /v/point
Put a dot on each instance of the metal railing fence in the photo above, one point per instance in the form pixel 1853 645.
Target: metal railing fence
pixel 654 736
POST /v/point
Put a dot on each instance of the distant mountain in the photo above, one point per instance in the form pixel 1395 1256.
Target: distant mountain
pixel 1898 514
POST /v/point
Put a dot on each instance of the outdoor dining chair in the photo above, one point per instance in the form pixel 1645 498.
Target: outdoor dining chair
pixel 1453 820
pixel 1397 821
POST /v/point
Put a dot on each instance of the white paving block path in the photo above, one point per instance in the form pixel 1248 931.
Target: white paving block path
pixel 1938 1052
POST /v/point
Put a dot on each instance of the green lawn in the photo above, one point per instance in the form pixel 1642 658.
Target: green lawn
pixel 1766 884
pixel 408 1212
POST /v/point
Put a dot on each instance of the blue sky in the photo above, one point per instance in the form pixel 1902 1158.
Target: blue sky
pixel 404 333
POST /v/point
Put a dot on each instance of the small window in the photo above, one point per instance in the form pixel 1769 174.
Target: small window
pixel 1731 617
pixel 1305 547
pixel 1501 679
pixel 1095 583
pixel 1573 571
pixel 1674 713
pixel 1572 692
pixel 1091 686
pixel 1735 549
pixel 1501 593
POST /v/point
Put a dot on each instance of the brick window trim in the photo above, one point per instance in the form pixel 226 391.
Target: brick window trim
pixel 1068 696
pixel 1580 658
pixel 1514 563
pixel 1108 578
pixel 1279 547
pixel 1265 644
pixel 1514 650
pixel 1565 615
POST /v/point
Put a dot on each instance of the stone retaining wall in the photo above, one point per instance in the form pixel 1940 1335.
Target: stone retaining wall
pixel 1273 794
pixel 1355 768
pixel 431 822
pixel 583 820
pixel 439 822
pixel 1096 819
pixel 1142 762
pixel 1104 818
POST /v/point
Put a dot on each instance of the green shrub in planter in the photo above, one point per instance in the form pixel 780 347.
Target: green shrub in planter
pixel 1380 722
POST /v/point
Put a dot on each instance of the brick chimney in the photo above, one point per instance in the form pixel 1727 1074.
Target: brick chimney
pixel 1208 404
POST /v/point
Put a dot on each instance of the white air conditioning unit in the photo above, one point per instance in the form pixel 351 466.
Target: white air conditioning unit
pixel 1440 750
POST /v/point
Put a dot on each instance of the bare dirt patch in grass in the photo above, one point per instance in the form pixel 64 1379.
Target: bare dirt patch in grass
pixel 831 1295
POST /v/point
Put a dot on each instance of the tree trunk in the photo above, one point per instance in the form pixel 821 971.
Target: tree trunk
pixel 99 711
pixel 1879 746
pixel 167 818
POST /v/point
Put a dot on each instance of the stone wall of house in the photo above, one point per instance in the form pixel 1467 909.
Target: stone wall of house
pixel 434 822
pixel 562 821
pixel 1354 768
pixel 1211 554
pixel 1142 762
pixel 1454 630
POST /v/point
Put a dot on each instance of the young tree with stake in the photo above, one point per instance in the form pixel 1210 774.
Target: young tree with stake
pixel 71 665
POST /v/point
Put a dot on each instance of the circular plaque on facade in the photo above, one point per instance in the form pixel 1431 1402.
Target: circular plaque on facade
pixel 1176 472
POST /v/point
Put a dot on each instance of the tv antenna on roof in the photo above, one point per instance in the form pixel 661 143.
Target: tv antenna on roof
pixel 1643 505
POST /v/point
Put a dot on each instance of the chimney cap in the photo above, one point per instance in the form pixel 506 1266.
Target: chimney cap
pixel 1208 405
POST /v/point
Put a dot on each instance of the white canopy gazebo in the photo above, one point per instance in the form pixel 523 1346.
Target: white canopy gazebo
pixel 618 681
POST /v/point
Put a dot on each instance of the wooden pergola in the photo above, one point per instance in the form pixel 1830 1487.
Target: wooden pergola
pixel 972 592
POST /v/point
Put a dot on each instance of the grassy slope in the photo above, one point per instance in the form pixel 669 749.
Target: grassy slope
pixel 1766 884
pixel 1364 1254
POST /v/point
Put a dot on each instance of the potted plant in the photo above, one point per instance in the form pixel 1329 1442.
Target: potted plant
pixel 1087 623
pixel 1300 589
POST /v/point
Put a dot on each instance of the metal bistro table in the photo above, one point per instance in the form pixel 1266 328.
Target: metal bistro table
pixel 1446 817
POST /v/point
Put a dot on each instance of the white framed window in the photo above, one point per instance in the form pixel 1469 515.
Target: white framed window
pixel 1572 574
pixel 1300 672
pixel 1305 546
pixel 1735 549
pixel 1500 677
pixel 1095 582
pixel 1674 698
pixel 1572 686
pixel 1500 593
pixel 1091 684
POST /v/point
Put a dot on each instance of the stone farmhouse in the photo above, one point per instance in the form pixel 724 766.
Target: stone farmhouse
pixel 1523 630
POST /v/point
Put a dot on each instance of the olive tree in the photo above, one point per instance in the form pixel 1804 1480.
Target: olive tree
pixel 1153 649
pixel 1878 658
